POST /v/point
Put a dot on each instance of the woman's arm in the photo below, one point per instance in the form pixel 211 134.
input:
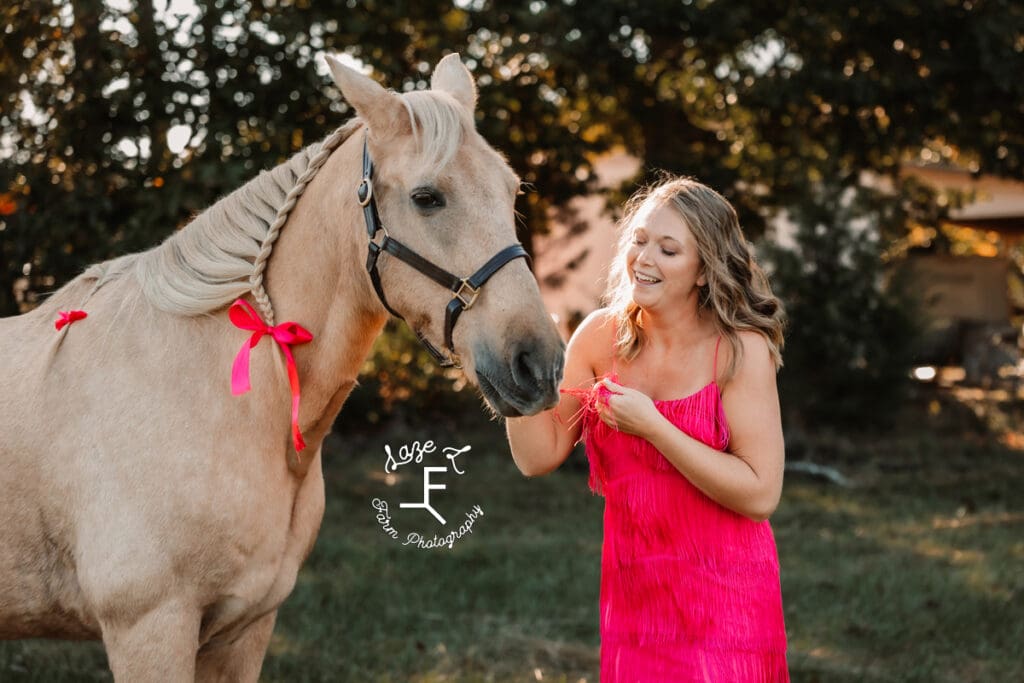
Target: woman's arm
pixel 748 479
pixel 542 442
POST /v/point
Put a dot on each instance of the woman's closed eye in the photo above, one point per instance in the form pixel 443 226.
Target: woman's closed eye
pixel 637 242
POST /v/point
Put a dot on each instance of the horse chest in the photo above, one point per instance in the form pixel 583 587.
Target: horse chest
pixel 261 584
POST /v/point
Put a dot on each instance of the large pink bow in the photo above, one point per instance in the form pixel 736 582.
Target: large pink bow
pixel 245 317
pixel 68 317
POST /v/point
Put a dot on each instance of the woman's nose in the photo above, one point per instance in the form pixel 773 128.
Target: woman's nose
pixel 644 256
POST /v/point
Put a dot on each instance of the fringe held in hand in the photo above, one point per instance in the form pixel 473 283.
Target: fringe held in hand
pixel 689 589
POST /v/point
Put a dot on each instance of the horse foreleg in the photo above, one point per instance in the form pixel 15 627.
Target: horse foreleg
pixel 159 647
pixel 239 660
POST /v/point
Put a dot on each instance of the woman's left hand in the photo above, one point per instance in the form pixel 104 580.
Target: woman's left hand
pixel 627 410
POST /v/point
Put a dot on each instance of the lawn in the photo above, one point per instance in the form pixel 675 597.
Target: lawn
pixel 913 573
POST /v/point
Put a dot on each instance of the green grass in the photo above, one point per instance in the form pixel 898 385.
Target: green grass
pixel 916 573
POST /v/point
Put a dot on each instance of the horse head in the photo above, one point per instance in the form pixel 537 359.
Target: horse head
pixel 439 205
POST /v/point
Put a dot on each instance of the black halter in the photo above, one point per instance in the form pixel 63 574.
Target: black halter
pixel 465 290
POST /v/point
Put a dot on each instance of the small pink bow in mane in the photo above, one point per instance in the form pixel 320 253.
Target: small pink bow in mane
pixel 245 317
pixel 68 317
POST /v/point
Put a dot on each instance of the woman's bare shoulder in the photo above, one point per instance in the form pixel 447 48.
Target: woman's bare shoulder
pixel 594 338
pixel 755 356
pixel 598 327
pixel 754 343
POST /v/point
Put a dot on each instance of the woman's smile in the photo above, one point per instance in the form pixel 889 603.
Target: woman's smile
pixel 644 279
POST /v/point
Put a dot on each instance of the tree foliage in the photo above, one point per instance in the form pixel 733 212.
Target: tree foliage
pixel 120 119
pixel 849 341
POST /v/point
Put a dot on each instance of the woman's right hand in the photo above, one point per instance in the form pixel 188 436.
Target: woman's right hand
pixel 541 443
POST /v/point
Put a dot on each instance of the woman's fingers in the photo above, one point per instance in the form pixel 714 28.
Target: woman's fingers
pixel 611 386
pixel 606 414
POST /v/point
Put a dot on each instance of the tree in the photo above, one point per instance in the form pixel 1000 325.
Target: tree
pixel 118 125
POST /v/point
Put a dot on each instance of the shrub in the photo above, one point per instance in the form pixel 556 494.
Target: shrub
pixel 850 340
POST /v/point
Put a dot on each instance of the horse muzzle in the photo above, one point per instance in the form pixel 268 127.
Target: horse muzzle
pixel 525 381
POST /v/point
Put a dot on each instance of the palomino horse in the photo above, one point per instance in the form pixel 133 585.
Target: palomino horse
pixel 143 504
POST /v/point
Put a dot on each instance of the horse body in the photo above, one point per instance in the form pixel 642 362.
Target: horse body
pixel 139 490
pixel 144 505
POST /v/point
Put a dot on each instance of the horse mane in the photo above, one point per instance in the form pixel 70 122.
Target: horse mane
pixel 222 253
pixel 437 124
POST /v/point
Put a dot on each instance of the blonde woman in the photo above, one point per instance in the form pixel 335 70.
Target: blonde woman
pixel 684 437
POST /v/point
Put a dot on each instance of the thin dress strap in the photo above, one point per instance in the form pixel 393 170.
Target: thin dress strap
pixel 714 369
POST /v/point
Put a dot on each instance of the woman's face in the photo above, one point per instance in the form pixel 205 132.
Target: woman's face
pixel 662 260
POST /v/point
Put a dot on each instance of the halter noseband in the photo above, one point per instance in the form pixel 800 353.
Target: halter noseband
pixel 465 290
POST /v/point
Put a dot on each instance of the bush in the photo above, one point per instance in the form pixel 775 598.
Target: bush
pixel 849 343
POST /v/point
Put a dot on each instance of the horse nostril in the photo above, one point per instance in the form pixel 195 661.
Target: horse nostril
pixel 531 368
pixel 523 371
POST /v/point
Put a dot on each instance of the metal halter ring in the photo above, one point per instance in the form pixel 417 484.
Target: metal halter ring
pixel 368 184
pixel 467 303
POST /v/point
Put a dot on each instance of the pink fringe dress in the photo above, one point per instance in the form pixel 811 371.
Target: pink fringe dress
pixel 689 589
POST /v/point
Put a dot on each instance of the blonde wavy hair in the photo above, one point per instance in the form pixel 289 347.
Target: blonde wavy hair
pixel 737 293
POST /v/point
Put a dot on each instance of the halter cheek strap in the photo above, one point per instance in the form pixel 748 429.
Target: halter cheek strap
pixel 464 290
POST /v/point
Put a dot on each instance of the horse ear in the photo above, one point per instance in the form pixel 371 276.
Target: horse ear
pixel 381 109
pixel 452 76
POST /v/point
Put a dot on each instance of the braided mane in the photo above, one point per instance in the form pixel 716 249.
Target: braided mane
pixel 222 254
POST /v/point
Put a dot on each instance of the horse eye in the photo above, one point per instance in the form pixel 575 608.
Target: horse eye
pixel 427 198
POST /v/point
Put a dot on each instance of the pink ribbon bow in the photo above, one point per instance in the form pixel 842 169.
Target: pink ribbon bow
pixel 245 317
pixel 68 317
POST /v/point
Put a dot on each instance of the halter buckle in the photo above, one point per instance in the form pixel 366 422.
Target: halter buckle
pixel 365 192
pixel 467 303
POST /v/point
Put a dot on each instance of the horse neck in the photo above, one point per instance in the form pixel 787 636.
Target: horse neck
pixel 316 278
